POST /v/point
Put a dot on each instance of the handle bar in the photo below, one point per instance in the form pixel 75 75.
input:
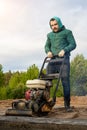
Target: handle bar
pixel 52 60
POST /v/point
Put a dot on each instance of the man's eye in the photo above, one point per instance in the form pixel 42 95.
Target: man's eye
pixel 53 25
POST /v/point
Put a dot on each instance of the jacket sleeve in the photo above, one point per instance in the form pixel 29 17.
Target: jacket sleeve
pixel 47 45
pixel 71 42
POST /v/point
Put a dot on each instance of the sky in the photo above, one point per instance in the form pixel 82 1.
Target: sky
pixel 24 25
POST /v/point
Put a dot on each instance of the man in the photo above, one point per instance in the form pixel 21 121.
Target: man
pixel 60 42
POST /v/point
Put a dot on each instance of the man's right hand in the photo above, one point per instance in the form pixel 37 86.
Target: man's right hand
pixel 49 54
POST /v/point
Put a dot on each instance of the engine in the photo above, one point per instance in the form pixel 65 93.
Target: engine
pixel 36 98
pixel 38 94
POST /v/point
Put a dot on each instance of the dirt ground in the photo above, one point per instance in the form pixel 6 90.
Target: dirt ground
pixel 78 104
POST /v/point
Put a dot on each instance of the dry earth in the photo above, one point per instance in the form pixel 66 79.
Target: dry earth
pixel 78 104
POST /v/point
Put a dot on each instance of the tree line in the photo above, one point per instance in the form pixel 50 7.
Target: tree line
pixel 13 84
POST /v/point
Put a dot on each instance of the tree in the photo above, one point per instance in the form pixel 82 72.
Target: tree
pixel 7 77
pixel 23 77
pixel 1 76
pixel 32 72
pixel 14 80
pixel 79 75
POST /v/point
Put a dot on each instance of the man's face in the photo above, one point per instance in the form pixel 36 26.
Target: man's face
pixel 54 25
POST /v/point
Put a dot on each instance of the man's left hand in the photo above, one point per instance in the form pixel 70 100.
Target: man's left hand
pixel 61 53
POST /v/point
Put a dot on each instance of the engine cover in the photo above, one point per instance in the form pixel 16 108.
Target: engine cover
pixel 36 83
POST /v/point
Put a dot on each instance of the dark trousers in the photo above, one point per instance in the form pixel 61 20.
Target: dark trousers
pixel 54 67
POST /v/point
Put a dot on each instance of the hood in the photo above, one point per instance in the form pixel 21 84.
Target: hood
pixel 58 21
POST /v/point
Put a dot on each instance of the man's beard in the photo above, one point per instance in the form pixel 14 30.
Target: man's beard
pixel 55 30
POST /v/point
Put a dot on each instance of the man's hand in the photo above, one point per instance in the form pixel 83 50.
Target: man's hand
pixel 61 53
pixel 49 54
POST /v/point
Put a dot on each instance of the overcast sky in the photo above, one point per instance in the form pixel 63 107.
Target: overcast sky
pixel 24 25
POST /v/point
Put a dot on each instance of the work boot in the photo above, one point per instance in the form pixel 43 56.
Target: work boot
pixel 67 106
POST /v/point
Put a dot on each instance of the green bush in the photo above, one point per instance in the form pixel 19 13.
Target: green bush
pixel 59 92
pixel 13 93
pixel 17 92
pixel 3 93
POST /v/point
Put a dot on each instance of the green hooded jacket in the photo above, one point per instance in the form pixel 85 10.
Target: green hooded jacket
pixel 61 40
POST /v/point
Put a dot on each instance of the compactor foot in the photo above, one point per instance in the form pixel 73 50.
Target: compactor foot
pixel 14 112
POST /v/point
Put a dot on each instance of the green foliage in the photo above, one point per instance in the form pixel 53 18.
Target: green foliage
pixel 15 79
pixel 23 77
pixel 3 93
pixel 18 92
pixel 1 76
pixel 13 93
pixel 32 72
pixel 59 92
pixel 7 77
pixel 79 75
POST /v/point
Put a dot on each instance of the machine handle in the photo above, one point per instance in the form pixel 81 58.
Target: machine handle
pixel 46 60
